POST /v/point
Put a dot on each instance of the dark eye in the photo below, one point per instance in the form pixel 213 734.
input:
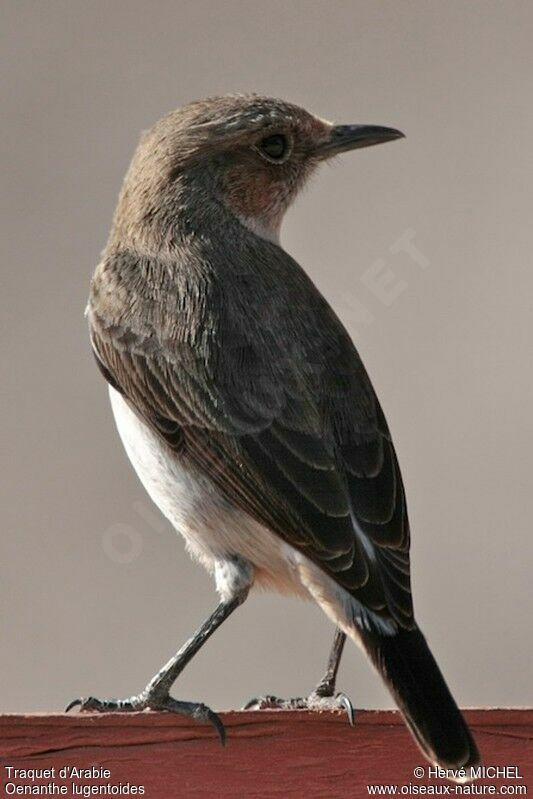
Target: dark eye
pixel 274 147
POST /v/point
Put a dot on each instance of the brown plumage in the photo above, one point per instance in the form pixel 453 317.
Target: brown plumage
pixel 228 355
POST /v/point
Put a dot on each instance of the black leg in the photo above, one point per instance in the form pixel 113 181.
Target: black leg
pixel 163 681
pixel 326 686
pixel 156 694
pixel 323 697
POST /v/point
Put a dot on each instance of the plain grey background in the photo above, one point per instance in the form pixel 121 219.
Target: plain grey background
pixel 97 591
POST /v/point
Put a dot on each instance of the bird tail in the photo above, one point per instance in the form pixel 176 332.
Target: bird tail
pixel 411 674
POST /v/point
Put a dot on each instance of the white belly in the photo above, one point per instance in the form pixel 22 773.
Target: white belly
pixel 215 530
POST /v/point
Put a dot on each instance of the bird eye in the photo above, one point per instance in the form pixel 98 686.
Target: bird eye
pixel 274 147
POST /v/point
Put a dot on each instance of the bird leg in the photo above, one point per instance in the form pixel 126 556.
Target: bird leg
pixel 156 695
pixel 326 686
pixel 323 697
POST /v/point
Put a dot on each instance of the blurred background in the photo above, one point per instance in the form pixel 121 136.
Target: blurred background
pixel 424 249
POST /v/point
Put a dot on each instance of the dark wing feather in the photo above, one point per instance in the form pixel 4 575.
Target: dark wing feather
pixel 286 424
pixel 335 507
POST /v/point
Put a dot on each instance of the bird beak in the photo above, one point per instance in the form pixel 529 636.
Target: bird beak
pixel 352 137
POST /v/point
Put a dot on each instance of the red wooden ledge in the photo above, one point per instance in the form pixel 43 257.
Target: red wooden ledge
pixel 268 753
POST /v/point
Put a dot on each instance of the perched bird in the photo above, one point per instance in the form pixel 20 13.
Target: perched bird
pixel 245 408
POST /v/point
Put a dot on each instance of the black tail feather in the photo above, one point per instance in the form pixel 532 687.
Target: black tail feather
pixel 417 685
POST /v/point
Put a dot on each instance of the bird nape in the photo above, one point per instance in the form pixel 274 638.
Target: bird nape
pixel 244 406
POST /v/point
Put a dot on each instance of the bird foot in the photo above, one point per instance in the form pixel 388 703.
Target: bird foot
pixel 151 701
pixel 315 702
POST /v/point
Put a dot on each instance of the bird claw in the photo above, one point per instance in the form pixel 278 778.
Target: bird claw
pixel 262 703
pixel 208 715
pixel 108 705
pixel 196 710
pixel 346 703
pixel 314 702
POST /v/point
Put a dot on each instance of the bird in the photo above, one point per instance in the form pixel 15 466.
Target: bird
pixel 245 408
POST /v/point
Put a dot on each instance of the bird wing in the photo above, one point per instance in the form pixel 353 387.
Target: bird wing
pixel 273 403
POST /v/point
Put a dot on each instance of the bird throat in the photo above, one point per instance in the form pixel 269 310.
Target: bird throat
pixel 263 227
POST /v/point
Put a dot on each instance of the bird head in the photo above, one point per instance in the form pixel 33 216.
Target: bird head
pixel 250 153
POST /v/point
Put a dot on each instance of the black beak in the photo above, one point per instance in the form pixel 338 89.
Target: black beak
pixel 351 137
